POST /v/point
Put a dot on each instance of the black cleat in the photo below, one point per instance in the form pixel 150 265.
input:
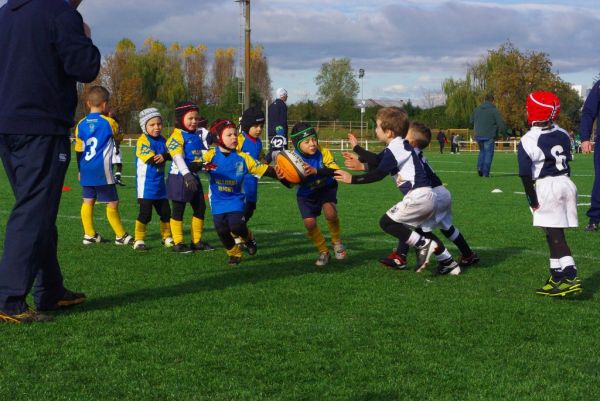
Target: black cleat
pixel 181 248
pixel 69 298
pixel 470 260
pixel 251 247
pixel 591 227
pixel 235 260
pixel 201 246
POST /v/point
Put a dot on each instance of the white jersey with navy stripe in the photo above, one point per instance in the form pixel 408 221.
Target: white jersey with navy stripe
pixel 544 153
pixel 402 163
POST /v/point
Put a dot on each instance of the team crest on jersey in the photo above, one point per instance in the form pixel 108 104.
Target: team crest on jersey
pixel 239 168
pixel 145 150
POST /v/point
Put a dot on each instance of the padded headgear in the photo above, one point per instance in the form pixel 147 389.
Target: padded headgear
pixel 542 107
pixel 217 128
pixel 301 132
pixel 181 109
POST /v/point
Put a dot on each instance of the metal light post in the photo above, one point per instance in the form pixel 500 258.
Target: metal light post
pixel 361 74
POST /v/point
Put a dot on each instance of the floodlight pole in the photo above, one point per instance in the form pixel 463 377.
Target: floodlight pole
pixel 247 57
pixel 361 74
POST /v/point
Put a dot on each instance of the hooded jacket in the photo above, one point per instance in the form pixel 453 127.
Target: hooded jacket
pixel 43 53
pixel 487 121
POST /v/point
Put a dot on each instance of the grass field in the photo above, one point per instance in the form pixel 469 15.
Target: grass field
pixel 163 326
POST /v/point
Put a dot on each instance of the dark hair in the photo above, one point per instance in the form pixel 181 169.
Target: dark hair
pixel 489 97
pixel 394 119
pixel 97 95
pixel 421 134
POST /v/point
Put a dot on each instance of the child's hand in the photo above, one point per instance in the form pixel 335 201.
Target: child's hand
pixel 210 167
pixel 352 139
pixel 308 169
pixel 343 176
pixel 351 161
pixel 158 159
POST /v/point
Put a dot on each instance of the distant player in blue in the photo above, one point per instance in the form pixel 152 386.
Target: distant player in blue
pixel 318 192
pixel 185 146
pixel 590 113
pixel 151 156
pixel 401 162
pixel 228 169
pixel 94 136
pixel 249 142
pixel 544 154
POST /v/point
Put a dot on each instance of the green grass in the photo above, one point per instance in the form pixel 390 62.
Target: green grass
pixel 162 326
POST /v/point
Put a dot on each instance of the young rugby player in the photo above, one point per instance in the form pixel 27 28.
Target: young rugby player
pixel 318 192
pixel 151 155
pixel 183 185
pixel 228 169
pixel 94 142
pixel 400 161
pixel 544 153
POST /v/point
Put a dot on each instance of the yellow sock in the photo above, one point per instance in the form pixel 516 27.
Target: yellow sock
pixel 114 219
pixel 317 238
pixel 177 230
pixel 140 231
pixel 334 230
pixel 165 230
pixel 197 225
pixel 87 218
pixel 235 251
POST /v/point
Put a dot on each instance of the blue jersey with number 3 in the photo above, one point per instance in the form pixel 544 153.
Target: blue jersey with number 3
pixel 545 152
pixel 94 138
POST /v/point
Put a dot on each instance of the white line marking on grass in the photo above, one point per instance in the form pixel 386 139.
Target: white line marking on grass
pixel 578 195
pixel 500 173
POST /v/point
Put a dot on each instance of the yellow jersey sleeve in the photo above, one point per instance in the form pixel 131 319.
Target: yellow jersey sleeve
pixel 114 126
pixel 254 167
pixel 241 140
pixel 175 143
pixel 328 160
pixel 143 150
pixel 208 155
pixel 79 146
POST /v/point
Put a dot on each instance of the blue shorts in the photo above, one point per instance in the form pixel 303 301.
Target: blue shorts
pixel 177 190
pixel 311 206
pixel 102 193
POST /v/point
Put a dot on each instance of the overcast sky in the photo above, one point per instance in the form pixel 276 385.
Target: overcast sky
pixel 407 48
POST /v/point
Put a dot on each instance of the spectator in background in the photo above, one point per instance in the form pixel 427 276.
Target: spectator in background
pixel 45 48
pixel 441 137
pixel 277 124
pixel 455 144
pixel 589 114
pixel 487 124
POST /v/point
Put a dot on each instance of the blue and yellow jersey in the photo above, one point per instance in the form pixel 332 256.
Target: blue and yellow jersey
pixel 322 158
pixel 227 178
pixel 150 177
pixel 94 137
pixel 187 144
pixel 252 146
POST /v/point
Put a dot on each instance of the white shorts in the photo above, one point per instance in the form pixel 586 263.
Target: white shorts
pixel 557 197
pixel 415 209
pixel 442 217
pixel 116 157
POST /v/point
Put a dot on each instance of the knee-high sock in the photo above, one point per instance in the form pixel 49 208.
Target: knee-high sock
pixel 165 229
pixel 177 230
pixel 114 219
pixel 334 230
pixel 87 219
pixel 317 238
pixel 461 243
pixel 197 225
pixel 235 251
pixel 140 231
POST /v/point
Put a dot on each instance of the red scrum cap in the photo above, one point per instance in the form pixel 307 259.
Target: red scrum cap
pixel 542 107
pixel 217 128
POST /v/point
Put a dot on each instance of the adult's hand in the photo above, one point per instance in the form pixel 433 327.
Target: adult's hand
pixel 352 139
pixel 586 146
pixel 87 31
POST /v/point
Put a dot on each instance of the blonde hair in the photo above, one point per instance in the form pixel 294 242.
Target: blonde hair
pixel 393 119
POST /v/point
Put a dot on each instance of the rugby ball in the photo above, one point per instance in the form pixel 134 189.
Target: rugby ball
pixel 291 165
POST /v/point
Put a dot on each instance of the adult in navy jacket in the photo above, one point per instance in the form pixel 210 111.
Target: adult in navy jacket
pixel 589 113
pixel 45 48
pixel 277 123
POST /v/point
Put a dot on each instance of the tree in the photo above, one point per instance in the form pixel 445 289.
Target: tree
pixel 260 81
pixel 510 75
pixel 223 70
pixel 337 86
pixel 194 67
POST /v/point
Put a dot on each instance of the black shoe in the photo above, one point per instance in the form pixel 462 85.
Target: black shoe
pixel 181 248
pixel 251 247
pixel 592 226
pixel 69 298
pixel 480 173
pixel 28 316
pixel 201 246
pixel 235 260
pixel 468 260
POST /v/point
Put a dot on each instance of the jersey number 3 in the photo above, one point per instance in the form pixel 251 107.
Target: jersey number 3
pixel 560 159
pixel 90 148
